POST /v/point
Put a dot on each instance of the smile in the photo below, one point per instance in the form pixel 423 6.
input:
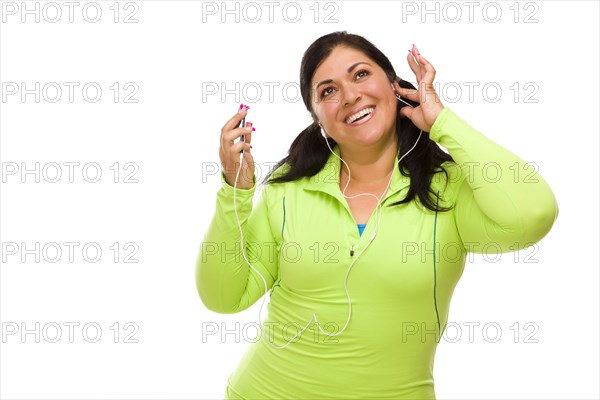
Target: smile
pixel 360 117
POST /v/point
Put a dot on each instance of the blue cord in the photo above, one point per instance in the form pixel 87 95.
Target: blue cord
pixel 283 225
pixel 434 267
pixel 276 283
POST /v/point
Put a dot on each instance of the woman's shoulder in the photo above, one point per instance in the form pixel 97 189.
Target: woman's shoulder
pixel 448 182
pixel 280 170
pixel 290 186
pixel 277 189
pixel 453 169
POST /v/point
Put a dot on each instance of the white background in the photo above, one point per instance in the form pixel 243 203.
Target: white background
pixel 175 52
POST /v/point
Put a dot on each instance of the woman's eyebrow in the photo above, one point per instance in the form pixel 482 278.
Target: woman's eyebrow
pixel 349 71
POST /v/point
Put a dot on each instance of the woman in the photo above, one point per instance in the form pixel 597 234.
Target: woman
pixel 360 284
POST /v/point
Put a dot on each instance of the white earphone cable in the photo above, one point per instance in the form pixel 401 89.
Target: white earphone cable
pixel 351 264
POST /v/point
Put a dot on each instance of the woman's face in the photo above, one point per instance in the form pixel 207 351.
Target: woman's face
pixel 345 83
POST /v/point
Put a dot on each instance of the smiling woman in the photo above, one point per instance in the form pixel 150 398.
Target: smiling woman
pixel 334 332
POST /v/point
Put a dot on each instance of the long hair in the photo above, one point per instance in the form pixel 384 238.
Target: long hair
pixel 309 152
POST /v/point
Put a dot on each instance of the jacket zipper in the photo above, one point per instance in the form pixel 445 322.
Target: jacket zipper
pixel 352 247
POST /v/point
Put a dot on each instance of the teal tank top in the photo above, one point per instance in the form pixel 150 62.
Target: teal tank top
pixel 361 228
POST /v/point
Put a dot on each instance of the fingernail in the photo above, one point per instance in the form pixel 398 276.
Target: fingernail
pixel 253 129
pixel 241 105
pixel 250 145
pixel 247 107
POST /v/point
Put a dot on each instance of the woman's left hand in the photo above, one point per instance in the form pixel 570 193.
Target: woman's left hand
pixel 425 114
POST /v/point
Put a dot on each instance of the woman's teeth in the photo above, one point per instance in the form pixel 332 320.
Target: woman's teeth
pixel 359 114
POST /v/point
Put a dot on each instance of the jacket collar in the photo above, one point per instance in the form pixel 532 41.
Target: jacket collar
pixel 327 180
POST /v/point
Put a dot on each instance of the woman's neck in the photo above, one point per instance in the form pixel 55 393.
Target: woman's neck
pixel 369 169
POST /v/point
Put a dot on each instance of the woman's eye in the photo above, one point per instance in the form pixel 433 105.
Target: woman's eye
pixel 359 74
pixel 362 72
pixel 326 92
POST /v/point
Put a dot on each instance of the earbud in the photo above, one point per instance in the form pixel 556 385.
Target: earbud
pixel 397 95
pixel 323 132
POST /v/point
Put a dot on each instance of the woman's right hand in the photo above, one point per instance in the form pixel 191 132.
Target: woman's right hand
pixel 230 152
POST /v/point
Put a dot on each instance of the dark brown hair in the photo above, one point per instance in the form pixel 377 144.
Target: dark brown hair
pixel 309 152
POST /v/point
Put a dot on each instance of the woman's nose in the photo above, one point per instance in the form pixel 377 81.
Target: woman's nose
pixel 350 95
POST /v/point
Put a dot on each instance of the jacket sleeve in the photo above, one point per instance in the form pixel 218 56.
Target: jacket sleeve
pixel 224 280
pixel 501 203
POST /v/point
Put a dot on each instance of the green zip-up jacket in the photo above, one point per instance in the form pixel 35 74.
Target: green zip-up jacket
pixel 302 238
